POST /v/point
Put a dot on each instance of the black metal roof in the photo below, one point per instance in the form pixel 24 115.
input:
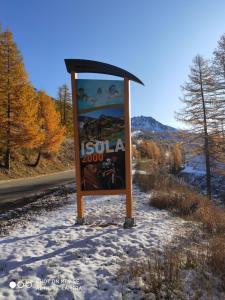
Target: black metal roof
pixel 91 66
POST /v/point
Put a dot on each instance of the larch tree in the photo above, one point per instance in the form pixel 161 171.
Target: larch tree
pixel 150 150
pixel 18 106
pixel 219 64
pixel 219 104
pixel 60 103
pixel 53 131
pixel 176 157
pixel 199 93
pixel 64 106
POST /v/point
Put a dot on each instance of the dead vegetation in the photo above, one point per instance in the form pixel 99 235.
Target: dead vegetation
pixel 191 272
pixel 168 193
pixel 158 275
pixel 206 259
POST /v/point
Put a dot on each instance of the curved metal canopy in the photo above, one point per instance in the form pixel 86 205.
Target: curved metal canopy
pixel 91 66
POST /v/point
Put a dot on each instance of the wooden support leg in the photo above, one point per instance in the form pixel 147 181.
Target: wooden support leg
pixel 80 210
pixel 129 219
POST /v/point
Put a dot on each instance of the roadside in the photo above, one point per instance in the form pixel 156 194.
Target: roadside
pixel 51 163
pixel 25 189
pixel 17 212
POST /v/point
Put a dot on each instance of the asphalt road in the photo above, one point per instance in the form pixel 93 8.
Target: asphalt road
pixel 15 189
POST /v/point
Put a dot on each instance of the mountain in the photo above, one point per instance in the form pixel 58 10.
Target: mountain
pixel 150 124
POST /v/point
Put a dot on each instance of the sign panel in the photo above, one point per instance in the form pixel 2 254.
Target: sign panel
pixel 100 106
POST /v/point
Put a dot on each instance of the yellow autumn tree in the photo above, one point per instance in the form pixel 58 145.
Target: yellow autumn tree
pixel 176 157
pixel 19 124
pixel 54 133
pixel 150 150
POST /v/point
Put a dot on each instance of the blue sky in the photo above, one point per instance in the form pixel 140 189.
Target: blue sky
pixel 154 39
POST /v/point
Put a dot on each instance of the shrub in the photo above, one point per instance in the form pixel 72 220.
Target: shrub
pixel 184 203
pixel 168 193
pixel 212 217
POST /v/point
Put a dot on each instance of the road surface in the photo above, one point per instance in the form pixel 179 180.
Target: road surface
pixel 15 189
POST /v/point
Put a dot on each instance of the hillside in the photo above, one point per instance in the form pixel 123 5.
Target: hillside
pixel 63 160
pixel 150 124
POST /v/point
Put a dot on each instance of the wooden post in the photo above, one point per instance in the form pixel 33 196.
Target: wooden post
pixel 129 220
pixel 80 203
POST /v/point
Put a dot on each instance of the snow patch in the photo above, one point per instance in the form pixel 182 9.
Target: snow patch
pixel 50 247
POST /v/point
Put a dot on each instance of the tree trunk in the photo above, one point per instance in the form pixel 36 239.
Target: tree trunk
pixel 7 159
pixel 34 165
pixel 61 109
pixel 208 171
pixel 222 127
pixel 64 116
pixel 206 145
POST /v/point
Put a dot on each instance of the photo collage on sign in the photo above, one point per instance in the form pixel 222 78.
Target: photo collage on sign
pixel 101 134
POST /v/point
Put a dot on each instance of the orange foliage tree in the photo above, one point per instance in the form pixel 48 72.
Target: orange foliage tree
pixel 19 124
pixel 51 128
pixel 150 150
pixel 176 157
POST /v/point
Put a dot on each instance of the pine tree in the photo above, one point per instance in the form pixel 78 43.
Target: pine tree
pixel 18 107
pixel 199 94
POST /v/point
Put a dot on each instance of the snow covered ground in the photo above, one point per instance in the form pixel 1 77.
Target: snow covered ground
pixel 191 170
pixel 48 257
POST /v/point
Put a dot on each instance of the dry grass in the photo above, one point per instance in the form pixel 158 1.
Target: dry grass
pixel 212 217
pixel 166 274
pixel 184 203
pixel 159 275
pixel 194 206
pixel 216 256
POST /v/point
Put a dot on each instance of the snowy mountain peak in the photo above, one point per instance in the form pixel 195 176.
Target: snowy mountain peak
pixel 149 123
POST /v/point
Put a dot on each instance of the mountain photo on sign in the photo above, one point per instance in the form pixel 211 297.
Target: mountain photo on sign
pixel 101 134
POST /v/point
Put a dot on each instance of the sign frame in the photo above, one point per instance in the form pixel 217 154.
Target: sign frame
pixel 75 66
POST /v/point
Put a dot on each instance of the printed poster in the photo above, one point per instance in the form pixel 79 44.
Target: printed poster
pixel 101 134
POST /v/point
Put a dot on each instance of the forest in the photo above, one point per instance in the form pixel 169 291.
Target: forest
pixel 33 124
